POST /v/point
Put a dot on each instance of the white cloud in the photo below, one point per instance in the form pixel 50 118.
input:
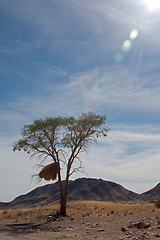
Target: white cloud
pixel 89 28
pixel 115 89
pixel 126 157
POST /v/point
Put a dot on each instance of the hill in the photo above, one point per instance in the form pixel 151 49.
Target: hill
pixel 78 190
pixel 153 194
pixel 99 190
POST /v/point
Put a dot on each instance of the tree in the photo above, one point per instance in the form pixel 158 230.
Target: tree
pixel 62 139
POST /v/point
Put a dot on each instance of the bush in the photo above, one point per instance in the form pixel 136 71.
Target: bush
pixel 157 203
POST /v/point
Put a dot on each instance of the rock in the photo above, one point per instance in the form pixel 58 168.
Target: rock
pixel 157 235
pixel 131 225
pixel 142 225
pixel 123 229
pixel 100 230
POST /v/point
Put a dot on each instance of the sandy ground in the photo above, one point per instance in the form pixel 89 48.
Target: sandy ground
pixel 112 222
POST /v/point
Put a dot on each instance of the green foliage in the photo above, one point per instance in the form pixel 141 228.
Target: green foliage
pixel 47 137
pixel 83 130
pixel 41 137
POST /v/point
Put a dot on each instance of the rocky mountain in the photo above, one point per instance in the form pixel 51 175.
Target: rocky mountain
pixel 99 190
pixel 80 189
pixel 153 194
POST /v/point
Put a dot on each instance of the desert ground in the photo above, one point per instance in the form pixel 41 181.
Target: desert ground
pixel 84 220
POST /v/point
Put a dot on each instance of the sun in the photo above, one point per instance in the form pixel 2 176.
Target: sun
pixel 152 4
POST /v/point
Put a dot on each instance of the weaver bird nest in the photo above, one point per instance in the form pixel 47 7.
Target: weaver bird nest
pixel 49 172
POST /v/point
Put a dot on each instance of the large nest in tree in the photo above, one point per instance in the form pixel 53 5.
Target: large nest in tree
pixel 49 172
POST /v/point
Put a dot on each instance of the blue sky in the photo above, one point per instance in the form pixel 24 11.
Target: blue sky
pixel 68 57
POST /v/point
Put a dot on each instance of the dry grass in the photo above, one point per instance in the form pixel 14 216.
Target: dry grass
pixel 38 212
pixel 85 208
pixel 86 219
pixel 88 207
pixel 15 213
pixel 49 172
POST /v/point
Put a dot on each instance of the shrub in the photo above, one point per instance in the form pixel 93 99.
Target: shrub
pixel 157 203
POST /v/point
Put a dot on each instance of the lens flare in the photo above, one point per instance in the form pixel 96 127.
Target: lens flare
pixel 119 57
pixel 134 34
pixel 126 46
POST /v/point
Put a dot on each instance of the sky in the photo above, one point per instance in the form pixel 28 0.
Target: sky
pixel 70 57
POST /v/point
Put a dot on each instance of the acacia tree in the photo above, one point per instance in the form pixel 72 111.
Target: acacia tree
pixel 62 139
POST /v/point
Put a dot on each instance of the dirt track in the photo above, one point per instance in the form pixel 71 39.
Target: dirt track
pixel 126 222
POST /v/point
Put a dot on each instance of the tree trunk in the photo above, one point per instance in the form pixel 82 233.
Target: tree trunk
pixel 62 198
pixel 64 191
pixel 63 207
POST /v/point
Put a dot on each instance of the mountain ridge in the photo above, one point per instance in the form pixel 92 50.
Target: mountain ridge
pixel 91 189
